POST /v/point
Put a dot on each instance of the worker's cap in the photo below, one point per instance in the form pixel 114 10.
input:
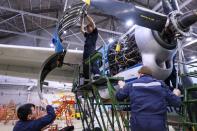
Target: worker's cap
pixel 145 70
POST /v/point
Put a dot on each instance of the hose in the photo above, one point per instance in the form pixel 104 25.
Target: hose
pixel 187 19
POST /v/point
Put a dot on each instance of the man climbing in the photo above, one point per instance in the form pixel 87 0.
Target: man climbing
pixel 91 35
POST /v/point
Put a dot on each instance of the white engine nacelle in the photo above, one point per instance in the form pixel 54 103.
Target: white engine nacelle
pixel 156 57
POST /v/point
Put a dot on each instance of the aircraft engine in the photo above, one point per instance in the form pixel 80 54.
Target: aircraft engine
pixel 156 53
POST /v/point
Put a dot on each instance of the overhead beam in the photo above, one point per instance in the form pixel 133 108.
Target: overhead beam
pixel 24 24
pixel 51 18
pixel 25 34
pixel 35 29
pixel 5 20
pixel 35 11
pixel 38 37
pixel 77 36
pixel 185 3
pixel 28 13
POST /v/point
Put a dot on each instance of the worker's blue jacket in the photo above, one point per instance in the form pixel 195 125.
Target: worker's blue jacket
pixel 149 99
pixel 36 125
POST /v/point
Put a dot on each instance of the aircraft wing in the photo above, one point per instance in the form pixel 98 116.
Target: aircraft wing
pixel 24 61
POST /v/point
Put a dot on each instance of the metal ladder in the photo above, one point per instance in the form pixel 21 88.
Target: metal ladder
pixel 188 102
pixel 93 108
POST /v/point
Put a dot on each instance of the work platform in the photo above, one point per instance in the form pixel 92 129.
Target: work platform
pixel 110 115
pixel 107 114
pixel 96 111
pixel 100 83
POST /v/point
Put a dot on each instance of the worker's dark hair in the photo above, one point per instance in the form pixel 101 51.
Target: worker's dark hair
pixel 24 110
pixel 68 128
pixel 145 70
pixel 97 129
pixel 89 25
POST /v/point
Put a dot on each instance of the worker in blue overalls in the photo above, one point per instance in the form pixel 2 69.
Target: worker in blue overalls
pixel 59 49
pixel 149 99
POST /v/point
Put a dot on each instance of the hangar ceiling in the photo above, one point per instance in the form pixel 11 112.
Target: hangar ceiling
pixel 36 19
pixel 32 23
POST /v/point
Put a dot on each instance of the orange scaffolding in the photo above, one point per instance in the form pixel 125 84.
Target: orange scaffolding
pixel 66 109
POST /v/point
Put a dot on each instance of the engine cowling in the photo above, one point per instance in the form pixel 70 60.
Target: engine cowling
pixel 155 53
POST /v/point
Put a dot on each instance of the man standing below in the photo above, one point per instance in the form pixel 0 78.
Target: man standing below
pixel 91 35
pixel 27 118
pixel 149 98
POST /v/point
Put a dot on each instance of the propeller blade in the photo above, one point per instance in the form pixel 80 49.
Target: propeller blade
pixel 125 11
pixel 150 19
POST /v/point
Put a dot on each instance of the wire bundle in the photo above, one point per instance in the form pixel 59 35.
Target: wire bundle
pixel 123 54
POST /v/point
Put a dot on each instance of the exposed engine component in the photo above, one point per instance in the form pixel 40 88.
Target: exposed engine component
pixel 123 55
pixel 70 18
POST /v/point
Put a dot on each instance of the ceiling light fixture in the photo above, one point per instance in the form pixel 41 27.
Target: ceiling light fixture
pixel 111 40
pixel 193 57
pixel 189 39
pixel 129 23
pixel 51 45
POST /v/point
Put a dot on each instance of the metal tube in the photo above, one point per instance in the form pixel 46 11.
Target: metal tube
pixel 188 19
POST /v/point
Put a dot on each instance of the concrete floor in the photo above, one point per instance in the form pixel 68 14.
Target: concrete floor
pixel 61 124
pixel 7 127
